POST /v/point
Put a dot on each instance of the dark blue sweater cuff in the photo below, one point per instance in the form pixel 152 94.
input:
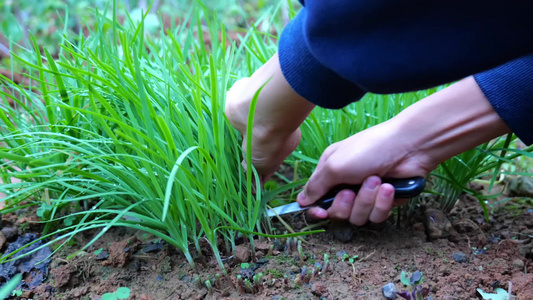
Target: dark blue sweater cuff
pixel 309 78
pixel 509 88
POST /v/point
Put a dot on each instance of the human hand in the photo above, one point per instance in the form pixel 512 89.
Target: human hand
pixel 279 113
pixel 363 158
pixel 269 148
pixel 411 144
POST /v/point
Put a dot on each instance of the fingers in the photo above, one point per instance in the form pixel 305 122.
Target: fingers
pixel 382 206
pixel 317 213
pixel 342 205
pixel 364 203
pixel 372 203
pixel 340 208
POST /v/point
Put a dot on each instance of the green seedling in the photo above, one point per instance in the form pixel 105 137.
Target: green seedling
pixel 209 287
pixel 10 286
pixel 17 293
pixel 218 281
pixel 270 250
pixel 301 255
pixel 245 266
pixel 197 282
pixel 416 292
pixel 259 278
pixel 248 286
pixel 120 293
pixel 258 281
pixel 98 251
pixel 240 284
pixel 326 263
pixel 352 259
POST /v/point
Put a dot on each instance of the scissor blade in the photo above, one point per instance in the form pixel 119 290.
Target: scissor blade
pixel 285 209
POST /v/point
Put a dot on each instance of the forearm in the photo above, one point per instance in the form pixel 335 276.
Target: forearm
pixel 449 122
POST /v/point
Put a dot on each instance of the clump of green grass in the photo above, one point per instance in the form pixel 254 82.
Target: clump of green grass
pixel 132 129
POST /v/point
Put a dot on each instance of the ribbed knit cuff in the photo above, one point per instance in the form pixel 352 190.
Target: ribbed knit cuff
pixel 309 78
pixel 509 89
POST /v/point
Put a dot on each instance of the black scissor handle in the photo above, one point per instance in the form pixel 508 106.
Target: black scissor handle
pixel 403 188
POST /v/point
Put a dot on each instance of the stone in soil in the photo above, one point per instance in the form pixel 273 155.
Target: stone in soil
pixel 518 264
pixel 278 245
pixel 102 255
pixel 389 291
pixel 319 289
pixel 526 250
pixel 242 253
pixel 119 252
pixel 521 186
pixel 437 224
pixel 342 231
pixel 262 246
pixel 152 247
pixel 2 240
pixel 62 274
pixel 460 257
pixel 10 233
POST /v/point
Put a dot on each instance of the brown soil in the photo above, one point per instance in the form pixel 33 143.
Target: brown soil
pixel 497 253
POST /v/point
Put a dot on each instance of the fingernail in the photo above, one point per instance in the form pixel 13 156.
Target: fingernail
pixel 388 193
pixel 301 198
pixel 321 214
pixel 372 182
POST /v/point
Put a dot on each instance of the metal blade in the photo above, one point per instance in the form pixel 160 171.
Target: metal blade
pixel 286 209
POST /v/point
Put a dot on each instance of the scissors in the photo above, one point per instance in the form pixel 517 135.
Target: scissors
pixel 403 188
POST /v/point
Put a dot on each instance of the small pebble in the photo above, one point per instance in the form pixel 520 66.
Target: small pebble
pixel 278 245
pixel 521 186
pixel 389 290
pixel 10 233
pixel 518 264
pixel 341 254
pixel 342 232
pixel 102 255
pixel 319 289
pixel 153 247
pixel 460 257
pixel 242 253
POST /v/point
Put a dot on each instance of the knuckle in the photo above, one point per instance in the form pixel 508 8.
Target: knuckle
pixel 334 167
pixel 329 150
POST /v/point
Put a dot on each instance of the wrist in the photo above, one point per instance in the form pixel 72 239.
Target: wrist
pixel 449 122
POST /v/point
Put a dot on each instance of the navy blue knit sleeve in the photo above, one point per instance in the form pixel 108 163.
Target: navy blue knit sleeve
pixel 509 88
pixel 308 77
pixel 337 50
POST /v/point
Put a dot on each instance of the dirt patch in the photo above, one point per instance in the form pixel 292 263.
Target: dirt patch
pixel 475 255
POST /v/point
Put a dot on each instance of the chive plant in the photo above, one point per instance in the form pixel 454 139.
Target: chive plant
pixel 129 130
